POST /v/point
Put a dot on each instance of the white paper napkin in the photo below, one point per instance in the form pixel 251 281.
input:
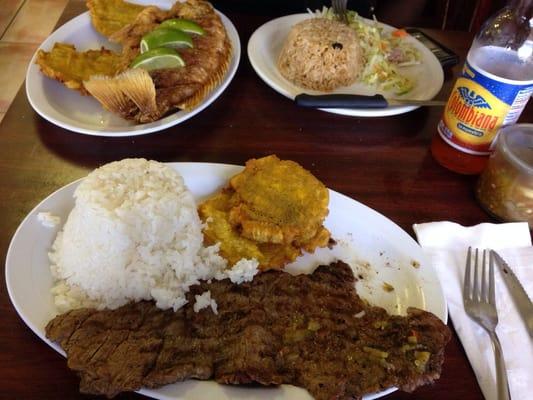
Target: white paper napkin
pixel 446 245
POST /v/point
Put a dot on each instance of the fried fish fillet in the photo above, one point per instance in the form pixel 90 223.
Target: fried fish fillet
pixel 71 67
pixel 257 216
pixel 109 16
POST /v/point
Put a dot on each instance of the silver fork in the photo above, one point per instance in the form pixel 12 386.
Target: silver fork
pixel 480 305
pixel 339 8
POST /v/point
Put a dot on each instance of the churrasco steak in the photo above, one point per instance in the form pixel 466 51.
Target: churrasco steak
pixel 311 331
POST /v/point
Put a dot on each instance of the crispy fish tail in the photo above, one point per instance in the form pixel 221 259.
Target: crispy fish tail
pixel 107 92
pixel 140 88
pixel 129 93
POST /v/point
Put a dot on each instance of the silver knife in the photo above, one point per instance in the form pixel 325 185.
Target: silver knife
pixel 518 293
pixel 358 101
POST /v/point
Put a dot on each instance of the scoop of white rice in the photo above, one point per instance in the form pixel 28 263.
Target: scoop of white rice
pixel 134 234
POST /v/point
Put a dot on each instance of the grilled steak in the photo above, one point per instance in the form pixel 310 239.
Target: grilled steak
pixel 311 331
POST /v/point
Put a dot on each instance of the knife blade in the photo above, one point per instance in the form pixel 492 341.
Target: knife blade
pixel 339 100
pixel 517 291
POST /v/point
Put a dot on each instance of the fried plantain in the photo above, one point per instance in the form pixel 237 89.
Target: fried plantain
pixel 279 201
pixel 71 67
pixel 280 220
pixel 233 247
pixel 109 16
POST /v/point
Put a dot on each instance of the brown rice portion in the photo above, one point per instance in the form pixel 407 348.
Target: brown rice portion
pixel 321 54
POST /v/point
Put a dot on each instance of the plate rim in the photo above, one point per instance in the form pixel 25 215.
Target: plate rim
pixel 441 314
pixel 355 112
pixel 35 76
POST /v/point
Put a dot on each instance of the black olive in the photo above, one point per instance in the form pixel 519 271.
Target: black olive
pixel 337 46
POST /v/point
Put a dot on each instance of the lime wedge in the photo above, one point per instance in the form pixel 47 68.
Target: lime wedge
pixel 184 25
pixel 158 58
pixel 165 37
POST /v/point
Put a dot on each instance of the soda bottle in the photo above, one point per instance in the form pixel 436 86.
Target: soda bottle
pixel 493 89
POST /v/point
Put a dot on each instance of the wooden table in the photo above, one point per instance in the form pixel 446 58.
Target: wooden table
pixel 384 163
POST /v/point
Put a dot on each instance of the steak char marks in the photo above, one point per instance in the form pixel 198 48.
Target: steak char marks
pixel 311 331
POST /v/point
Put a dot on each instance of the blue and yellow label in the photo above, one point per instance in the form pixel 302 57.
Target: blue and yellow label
pixel 478 106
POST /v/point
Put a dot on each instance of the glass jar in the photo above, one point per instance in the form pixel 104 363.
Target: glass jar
pixel 505 188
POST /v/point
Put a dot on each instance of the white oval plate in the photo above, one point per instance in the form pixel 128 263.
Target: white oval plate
pixel 266 43
pixel 83 114
pixel 372 244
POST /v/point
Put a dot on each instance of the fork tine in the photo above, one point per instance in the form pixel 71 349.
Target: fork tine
pixel 339 9
pixel 492 297
pixel 484 295
pixel 466 282
pixel 475 293
pixel 344 4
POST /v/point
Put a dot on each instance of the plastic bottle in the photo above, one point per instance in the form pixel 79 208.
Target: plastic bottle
pixel 492 91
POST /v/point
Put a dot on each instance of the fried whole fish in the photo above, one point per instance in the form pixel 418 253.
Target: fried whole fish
pixel 133 95
pixel 272 211
pixel 184 88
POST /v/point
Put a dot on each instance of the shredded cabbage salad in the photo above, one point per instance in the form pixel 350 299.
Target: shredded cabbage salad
pixel 383 53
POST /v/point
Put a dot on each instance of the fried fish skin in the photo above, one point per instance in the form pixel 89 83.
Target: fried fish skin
pixel 279 202
pixel 109 16
pixel 71 67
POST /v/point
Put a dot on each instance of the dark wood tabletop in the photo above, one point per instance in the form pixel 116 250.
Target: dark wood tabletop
pixel 384 163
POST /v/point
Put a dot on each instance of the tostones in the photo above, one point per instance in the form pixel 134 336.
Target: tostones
pixel 279 201
pixel 110 16
pixel 272 211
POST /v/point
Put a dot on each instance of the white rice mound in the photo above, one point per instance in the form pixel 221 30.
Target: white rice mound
pixel 321 54
pixel 134 234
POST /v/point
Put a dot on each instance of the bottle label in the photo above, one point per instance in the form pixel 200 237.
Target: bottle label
pixel 478 107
